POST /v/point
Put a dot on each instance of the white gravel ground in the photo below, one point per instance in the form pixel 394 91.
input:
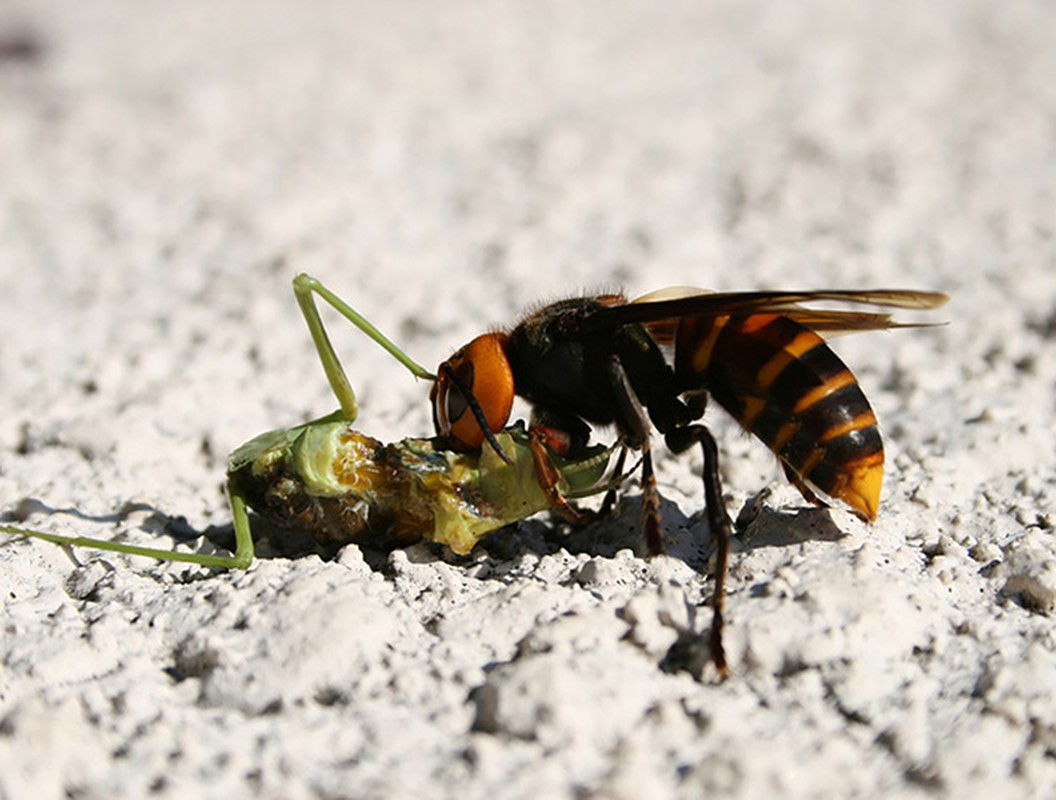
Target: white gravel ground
pixel 166 168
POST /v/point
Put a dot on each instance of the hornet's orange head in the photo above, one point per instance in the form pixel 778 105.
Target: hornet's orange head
pixel 473 393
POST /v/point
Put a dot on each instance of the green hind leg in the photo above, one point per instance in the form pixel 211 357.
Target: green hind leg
pixel 304 286
pixel 242 557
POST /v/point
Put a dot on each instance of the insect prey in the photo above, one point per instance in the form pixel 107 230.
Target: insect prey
pixel 340 485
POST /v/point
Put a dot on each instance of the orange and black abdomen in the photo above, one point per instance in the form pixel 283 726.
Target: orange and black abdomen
pixel 783 383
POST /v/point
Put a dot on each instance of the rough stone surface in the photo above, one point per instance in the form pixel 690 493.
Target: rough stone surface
pixel 168 167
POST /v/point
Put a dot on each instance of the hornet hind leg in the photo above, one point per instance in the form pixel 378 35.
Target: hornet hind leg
pixel 680 440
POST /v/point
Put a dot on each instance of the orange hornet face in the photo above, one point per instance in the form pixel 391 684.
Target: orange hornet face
pixel 482 370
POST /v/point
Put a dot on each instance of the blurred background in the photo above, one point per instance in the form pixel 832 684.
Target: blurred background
pixel 167 168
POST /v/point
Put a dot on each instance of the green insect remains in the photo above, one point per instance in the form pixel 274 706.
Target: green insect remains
pixel 327 479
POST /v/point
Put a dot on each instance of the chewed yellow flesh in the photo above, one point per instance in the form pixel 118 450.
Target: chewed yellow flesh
pixel 353 463
pixel 411 489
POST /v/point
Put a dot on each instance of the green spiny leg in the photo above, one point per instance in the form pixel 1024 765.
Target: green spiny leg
pixel 242 558
pixel 303 287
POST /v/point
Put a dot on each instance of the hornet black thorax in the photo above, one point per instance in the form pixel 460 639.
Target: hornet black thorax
pixel 568 374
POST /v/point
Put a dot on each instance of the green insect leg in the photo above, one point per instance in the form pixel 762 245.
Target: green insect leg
pixel 304 286
pixel 241 559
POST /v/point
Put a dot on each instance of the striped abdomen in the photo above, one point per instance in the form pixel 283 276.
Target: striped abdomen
pixel 783 383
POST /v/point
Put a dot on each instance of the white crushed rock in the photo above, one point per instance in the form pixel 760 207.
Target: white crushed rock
pixel 168 167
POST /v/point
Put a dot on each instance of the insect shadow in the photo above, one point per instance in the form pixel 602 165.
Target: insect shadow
pixel 607 535
pixel 155 522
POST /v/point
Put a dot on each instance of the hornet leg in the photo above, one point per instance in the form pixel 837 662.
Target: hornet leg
pixel 610 496
pixel 635 433
pixel 540 440
pixel 682 439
